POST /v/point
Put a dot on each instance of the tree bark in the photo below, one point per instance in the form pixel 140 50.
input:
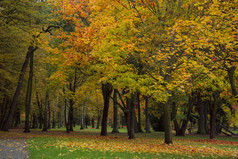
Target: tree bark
pixel 201 118
pixel 98 119
pixel 115 113
pixel 8 122
pixel 28 95
pixel 40 110
pixel 139 129
pixel 214 107
pixel 106 91
pixel 93 124
pixel 167 123
pixel 65 116
pixel 132 117
pixel 49 115
pixel 82 119
pixel 147 124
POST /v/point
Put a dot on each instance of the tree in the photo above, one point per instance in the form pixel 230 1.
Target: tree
pixel 106 91
pixel 115 113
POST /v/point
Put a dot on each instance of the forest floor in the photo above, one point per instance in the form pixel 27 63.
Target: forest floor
pixel 88 144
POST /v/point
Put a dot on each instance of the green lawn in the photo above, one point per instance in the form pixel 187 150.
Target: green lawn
pixel 88 144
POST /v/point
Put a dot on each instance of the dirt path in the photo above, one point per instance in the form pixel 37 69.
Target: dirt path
pixel 13 148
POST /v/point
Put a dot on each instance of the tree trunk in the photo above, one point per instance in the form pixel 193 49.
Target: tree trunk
pixel 99 119
pixel 139 129
pixel 167 123
pixel 40 110
pixel 214 107
pixel 106 91
pixel 45 111
pixel 71 111
pixel 201 118
pixel 93 124
pixel 28 95
pixel 17 118
pixel 115 113
pixel 65 116
pixel 49 117
pixel 185 122
pixel 4 110
pixel 34 122
pixel 54 120
pixel 132 117
pixel 82 119
pixel 147 125
pixel 127 115
pixel 8 122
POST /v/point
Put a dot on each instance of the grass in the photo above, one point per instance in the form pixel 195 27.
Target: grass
pixel 52 152
pixel 87 143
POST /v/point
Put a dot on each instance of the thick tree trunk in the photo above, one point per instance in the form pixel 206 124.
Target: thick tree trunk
pixel 139 129
pixel 106 91
pixel 147 124
pixel 8 122
pixel 132 117
pixel 28 95
pixel 167 123
pixel 115 113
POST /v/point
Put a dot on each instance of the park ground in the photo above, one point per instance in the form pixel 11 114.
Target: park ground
pixel 89 144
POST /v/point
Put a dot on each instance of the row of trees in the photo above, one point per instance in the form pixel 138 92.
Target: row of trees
pixel 179 55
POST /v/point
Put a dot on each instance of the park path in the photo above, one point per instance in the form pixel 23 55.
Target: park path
pixel 13 148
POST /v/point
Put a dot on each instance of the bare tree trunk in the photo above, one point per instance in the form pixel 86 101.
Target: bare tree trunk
pixel 82 119
pixel 115 113
pixel 40 110
pixel 147 125
pixel 139 129
pixel 8 122
pixel 106 91
pixel 93 124
pixel 65 116
pixel 99 119
pixel 214 107
pixel 28 95
pixel 167 123
pixel 132 117
pixel 49 115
